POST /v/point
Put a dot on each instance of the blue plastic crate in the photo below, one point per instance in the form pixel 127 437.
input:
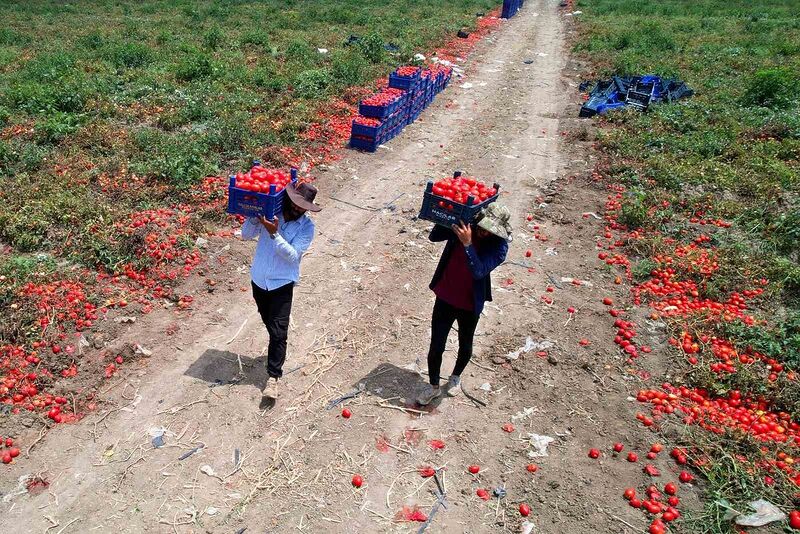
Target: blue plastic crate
pixel 437 209
pixel 364 144
pixel 406 83
pixel 252 204
pixel 380 112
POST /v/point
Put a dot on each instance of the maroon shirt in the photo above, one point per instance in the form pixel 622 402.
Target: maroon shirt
pixel 456 285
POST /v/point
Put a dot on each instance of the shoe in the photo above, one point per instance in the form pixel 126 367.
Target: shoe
pixel 271 388
pixel 428 394
pixel 453 387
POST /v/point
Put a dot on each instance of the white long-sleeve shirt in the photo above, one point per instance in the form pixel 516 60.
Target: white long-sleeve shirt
pixel 277 261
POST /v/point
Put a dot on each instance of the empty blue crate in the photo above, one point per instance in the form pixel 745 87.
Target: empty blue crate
pixel 438 209
pixel 253 204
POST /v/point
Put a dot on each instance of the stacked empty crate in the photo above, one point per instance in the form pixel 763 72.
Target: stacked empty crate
pixel 510 8
pixel 383 115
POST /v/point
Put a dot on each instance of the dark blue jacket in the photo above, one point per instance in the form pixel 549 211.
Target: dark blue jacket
pixel 492 254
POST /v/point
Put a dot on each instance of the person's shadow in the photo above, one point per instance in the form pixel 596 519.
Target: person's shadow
pixel 397 386
pixel 221 367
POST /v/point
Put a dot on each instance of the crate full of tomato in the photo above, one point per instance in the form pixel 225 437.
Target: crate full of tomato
pixel 383 104
pixel 259 191
pixel 460 198
pixel 405 78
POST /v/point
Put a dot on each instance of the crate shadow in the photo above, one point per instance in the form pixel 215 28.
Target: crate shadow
pixel 220 367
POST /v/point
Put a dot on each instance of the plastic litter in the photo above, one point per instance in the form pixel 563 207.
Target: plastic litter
pixel 765 513
pixel 527 527
pixel 539 444
pixel 530 345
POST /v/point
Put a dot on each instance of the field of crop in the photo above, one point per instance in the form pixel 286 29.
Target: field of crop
pixel 114 127
pixel 711 190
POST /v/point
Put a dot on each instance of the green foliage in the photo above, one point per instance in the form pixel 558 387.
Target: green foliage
pixel 255 37
pixel 371 47
pixel 194 66
pixel 312 83
pixel 348 68
pixel 772 88
pixel 180 160
pixel 213 38
pixel 56 126
pixel 129 55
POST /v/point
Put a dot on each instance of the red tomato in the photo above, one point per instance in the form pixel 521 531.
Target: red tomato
pixel 508 427
pixel 532 468
pixel 632 457
pixel 346 413
pixel 629 493
pixel 685 477
pixel 670 489
pixel 618 447
pixel 607 301
pixel 594 454
pixel 483 494
pixel 474 469
pixel 636 503
pixel 357 481
pixel 794 519
pixel 524 510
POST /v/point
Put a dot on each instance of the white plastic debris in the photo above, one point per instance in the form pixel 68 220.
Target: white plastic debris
pixel 322 50
pixel 568 280
pixel 138 349
pixel 201 242
pixel 593 214
pixel 211 511
pixel 551 251
pixel 208 470
pixel 526 527
pixel 132 406
pixel 539 444
pixel 122 319
pixel 373 269
pixel 541 54
pixel 765 513
pixel 523 414
pixel 486 386
pixel 419 57
pixel 530 345
pixel 466 85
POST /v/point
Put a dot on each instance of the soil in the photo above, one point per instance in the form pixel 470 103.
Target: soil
pixel 361 316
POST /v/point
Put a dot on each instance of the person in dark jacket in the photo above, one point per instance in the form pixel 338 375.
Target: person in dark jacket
pixel 462 286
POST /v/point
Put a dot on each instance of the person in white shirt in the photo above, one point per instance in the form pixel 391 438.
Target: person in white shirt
pixel 276 269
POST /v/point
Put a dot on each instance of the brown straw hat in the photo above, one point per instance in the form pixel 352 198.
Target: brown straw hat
pixel 302 195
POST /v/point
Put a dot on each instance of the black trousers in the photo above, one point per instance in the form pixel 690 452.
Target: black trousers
pixel 274 307
pixel 444 315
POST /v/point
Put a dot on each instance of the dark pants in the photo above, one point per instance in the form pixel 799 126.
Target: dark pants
pixel 274 307
pixel 444 315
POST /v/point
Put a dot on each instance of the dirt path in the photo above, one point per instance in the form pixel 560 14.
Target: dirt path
pixel 361 315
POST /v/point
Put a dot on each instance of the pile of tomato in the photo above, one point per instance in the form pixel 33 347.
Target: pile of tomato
pixel 367 121
pixel 259 179
pixel 385 97
pixel 9 452
pixel 459 189
pixel 407 71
